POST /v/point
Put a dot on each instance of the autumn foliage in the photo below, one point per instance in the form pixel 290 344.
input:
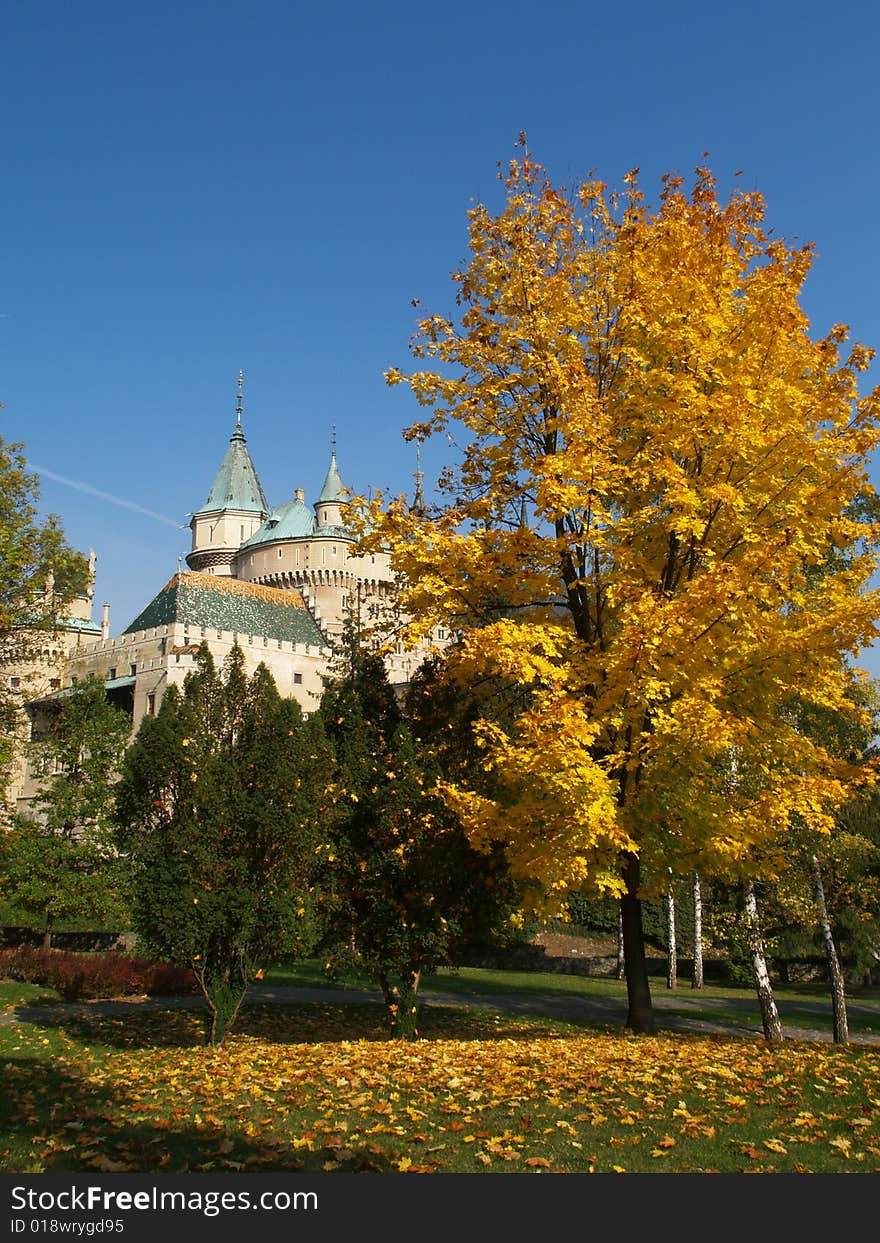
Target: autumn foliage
pixel 658 457
pixel 80 977
pixel 318 1089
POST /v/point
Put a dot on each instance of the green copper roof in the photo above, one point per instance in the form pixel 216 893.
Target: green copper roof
pixel 226 604
pixel 334 489
pixel 78 623
pixel 294 520
pixel 237 485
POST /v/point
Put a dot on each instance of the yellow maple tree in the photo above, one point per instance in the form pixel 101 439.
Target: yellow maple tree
pixel 657 461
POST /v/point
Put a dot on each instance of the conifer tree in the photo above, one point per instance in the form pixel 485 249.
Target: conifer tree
pixel 408 891
pixel 218 807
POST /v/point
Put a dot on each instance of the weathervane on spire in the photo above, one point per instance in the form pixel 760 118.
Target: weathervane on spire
pixel 333 439
pixel 240 399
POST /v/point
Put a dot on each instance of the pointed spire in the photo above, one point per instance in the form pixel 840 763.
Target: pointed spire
pixel 237 485
pixel 523 513
pixel 238 432
pixel 334 489
pixel 418 506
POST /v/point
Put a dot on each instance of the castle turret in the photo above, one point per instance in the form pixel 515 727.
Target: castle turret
pixel 236 507
pixel 329 507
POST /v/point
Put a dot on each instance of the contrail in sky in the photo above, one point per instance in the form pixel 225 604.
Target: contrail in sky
pixel 78 486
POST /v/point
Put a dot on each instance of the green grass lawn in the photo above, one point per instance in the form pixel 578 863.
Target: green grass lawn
pixel 796 1005
pixel 320 1087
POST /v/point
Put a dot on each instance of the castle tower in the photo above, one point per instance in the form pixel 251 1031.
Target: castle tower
pixel 334 495
pixel 236 507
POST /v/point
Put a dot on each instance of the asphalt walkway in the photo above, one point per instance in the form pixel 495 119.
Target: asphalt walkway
pixel 603 1011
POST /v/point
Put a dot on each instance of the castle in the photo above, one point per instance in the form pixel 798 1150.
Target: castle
pixel 279 582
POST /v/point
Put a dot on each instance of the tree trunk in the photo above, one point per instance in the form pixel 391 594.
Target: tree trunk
pixel 697 977
pixel 769 1013
pixel 402 1003
pixel 672 948
pixel 838 993
pixel 47 932
pixel 640 1016
pixel 224 991
pixel 621 956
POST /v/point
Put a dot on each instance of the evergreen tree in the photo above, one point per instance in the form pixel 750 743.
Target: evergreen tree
pixel 218 806
pixel 407 889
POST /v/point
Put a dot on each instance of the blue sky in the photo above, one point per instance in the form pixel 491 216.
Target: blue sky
pixel 195 188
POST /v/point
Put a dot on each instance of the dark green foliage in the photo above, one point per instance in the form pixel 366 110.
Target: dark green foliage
pixel 54 878
pixel 406 892
pixel 84 751
pixel 600 915
pixel 65 865
pixel 218 807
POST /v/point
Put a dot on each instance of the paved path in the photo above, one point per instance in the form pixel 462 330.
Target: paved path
pixel 607 1011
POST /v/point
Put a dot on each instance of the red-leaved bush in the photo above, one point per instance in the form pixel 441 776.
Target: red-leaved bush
pixel 81 977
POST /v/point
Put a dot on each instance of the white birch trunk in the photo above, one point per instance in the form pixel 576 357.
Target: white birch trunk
pixel 697 977
pixel 769 1013
pixel 672 948
pixel 838 992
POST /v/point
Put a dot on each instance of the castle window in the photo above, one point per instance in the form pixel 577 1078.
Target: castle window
pixel 279 554
pixel 132 669
pixel 151 705
pixel 54 684
pixel 334 550
pixel 14 683
pixel 297 679
pixel 111 673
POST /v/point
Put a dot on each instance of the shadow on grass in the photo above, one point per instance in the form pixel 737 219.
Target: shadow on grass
pixel 131 1027
pixel 52 1119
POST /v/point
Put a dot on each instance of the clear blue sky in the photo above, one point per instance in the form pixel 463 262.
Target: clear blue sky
pixel 194 188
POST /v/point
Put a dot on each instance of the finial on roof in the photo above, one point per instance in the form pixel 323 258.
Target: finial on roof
pixel 240 399
pixel 523 513
pixel 333 440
